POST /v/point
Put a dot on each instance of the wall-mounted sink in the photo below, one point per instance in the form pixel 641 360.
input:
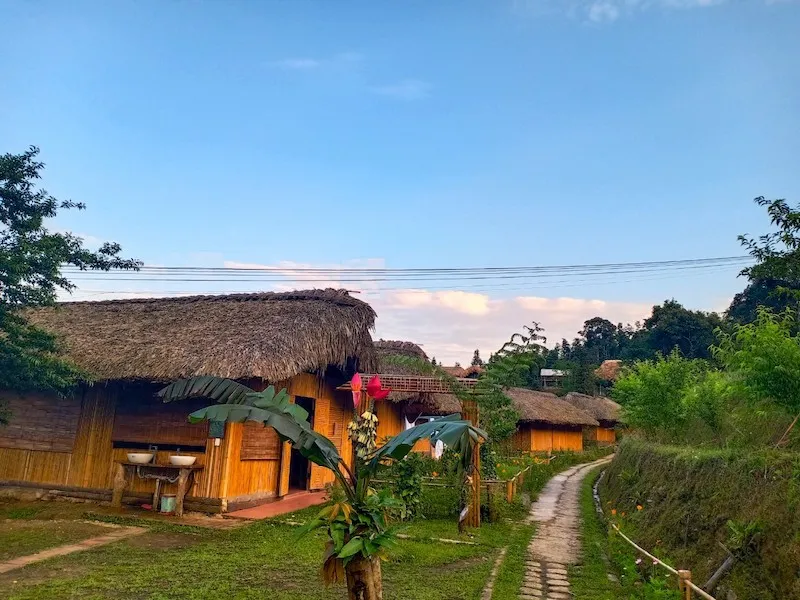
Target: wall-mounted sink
pixel 181 460
pixel 140 458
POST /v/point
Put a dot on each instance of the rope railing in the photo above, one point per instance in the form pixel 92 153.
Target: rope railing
pixel 685 584
pixel 684 577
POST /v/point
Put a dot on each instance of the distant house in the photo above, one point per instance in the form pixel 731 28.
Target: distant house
pixel 552 378
pixel 455 371
pixel 307 341
pixel 605 411
pixel 547 422
pixel 473 371
pixel 609 370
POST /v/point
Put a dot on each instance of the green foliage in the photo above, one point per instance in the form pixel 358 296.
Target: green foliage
pixel 476 359
pixel 31 262
pixel 764 359
pixel 355 530
pixel 652 392
pixel 407 484
pixel 774 294
pixel 690 331
pixel 689 496
pixel 777 254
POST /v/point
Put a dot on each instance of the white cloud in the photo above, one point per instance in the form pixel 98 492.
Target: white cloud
pixel 451 325
pixel 305 63
pixel 407 89
pixel 607 11
pixel 603 11
pixel 297 63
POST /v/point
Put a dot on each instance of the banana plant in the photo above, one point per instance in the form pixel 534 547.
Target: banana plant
pixel 357 527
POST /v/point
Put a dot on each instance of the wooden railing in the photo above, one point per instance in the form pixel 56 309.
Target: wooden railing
pixel 685 584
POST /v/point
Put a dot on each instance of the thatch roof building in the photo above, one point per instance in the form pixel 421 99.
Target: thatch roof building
pixel 547 422
pixel 272 336
pixel 307 342
pixel 609 370
pixel 604 410
pixel 542 407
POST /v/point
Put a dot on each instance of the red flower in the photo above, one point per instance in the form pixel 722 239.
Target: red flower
pixel 355 386
pixel 374 389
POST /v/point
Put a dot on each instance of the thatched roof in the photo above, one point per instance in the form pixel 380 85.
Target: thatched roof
pixel 267 335
pixel 609 370
pixel 435 405
pixel 454 371
pixel 604 410
pixel 542 407
pixel 473 370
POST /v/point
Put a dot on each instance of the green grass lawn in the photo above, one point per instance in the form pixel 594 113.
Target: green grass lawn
pixel 264 559
pixel 21 537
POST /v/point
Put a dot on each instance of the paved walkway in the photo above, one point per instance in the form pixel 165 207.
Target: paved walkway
pixel 119 533
pixel 286 505
pixel 556 543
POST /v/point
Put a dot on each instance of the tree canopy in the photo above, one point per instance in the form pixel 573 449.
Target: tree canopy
pixel 31 261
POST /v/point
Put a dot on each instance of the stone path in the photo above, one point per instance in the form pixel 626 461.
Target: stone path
pixel 119 533
pixel 557 540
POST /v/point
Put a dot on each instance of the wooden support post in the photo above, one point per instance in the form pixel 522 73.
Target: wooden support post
pixel 157 496
pixel 119 485
pixel 509 491
pixel 684 578
pixel 183 481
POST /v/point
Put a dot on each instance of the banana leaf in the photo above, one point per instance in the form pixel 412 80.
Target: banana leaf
pixel 213 388
pixel 459 435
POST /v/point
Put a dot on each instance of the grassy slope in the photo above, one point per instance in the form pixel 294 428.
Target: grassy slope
pixel 688 496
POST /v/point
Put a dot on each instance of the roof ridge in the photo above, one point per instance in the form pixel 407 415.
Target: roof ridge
pixel 333 295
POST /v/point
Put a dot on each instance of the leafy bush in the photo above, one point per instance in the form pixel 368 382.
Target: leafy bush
pixel 407 484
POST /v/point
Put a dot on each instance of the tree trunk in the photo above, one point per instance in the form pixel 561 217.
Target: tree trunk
pixel 364 581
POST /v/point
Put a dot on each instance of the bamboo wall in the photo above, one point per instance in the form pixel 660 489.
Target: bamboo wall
pixel 390 419
pixel 246 479
pixel 530 438
pixel 90 463
pixel 606 435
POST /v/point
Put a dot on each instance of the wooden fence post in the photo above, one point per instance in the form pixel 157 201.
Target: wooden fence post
pixel 684 578
pixel 510 491
pixel 470 408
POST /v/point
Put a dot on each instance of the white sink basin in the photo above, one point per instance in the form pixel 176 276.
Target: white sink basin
pixel 182 461
pixel 140 458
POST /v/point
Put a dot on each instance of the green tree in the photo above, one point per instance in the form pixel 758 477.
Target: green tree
pixel 476 359
pixel 774 294
pixel 31 262
pixel 672 326
pixel 763 358
pixel 358 528
pixel 776 254
pixel 652 393
pixel 600 340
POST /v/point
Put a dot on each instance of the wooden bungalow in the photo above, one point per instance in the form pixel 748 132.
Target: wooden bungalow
pixel 605 411
pixel 547 422
pixel 307 341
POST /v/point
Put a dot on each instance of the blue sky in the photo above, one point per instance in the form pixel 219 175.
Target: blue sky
pixel 416 134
